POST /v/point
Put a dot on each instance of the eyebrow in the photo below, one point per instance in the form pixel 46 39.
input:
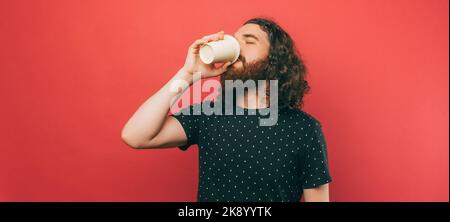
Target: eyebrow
pixel 251 36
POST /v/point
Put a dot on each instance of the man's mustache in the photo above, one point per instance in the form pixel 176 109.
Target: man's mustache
pixel 244 62
pixel 242 59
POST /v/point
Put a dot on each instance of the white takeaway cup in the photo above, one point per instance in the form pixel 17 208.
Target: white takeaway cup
pixel 221 51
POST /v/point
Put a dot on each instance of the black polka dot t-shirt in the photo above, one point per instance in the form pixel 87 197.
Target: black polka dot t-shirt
pixel 241 161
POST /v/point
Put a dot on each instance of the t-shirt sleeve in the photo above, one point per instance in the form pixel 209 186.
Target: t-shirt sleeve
pixel 189 119
pixel 315 170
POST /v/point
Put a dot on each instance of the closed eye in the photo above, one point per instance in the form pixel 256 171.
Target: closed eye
pixel 249 43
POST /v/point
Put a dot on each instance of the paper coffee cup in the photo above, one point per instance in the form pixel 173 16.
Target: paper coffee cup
pixel 222 51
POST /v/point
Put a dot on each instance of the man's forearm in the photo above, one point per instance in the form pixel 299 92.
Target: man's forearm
pixel 147 121
pixel 318 194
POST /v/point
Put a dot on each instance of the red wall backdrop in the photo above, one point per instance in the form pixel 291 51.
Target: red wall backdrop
pixel 73 72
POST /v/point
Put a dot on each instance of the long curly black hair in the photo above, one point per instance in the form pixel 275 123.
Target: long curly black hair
pixel 285 65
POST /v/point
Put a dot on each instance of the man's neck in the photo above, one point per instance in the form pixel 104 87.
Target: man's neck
pixel 254 98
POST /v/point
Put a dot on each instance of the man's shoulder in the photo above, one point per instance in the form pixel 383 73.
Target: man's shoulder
pixel 302 116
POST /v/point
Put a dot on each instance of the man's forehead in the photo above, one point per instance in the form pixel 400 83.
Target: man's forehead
pixel 252 29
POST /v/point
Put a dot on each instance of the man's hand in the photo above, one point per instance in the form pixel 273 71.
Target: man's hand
pixel 194 65
pixel 150 127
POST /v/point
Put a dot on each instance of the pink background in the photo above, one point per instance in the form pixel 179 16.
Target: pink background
pixel 73 72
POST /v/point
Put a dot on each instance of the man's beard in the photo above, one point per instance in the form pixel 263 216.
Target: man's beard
pixel 248 71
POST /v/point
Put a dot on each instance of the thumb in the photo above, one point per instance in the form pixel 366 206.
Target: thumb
pixel 222 69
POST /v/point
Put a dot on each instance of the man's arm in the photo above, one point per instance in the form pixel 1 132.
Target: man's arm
pixel 318 194
pixel 150 127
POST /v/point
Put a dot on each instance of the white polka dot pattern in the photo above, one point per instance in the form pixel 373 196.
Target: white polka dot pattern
pixel 242 161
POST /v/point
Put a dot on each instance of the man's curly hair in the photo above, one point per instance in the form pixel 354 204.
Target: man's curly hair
pixel 285 65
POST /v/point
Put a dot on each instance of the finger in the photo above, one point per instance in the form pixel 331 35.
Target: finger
pixel 226 64
pixel 222 69
pixel 214 37
pixel 197 44
pixel 210 38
